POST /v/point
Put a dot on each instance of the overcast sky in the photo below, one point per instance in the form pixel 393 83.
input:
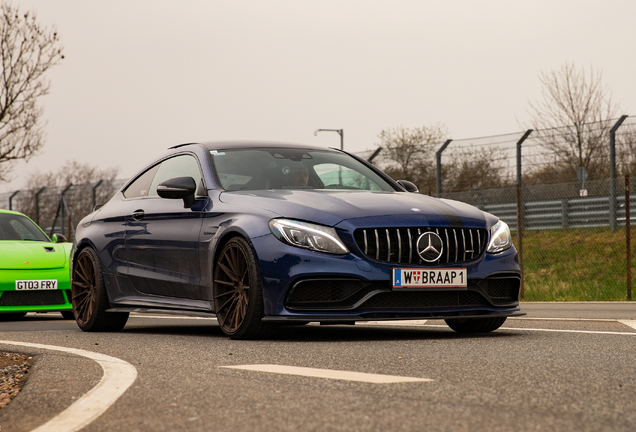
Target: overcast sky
pixel 140 76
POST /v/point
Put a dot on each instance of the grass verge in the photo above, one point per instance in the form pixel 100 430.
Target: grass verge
pixel 576 265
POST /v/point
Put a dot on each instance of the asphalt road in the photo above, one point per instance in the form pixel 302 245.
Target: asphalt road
pixel 567 367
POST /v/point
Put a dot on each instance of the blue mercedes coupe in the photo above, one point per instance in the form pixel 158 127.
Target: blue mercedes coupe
pixel 263 234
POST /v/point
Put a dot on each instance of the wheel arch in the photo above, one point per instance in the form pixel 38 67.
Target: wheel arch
pixel 224 238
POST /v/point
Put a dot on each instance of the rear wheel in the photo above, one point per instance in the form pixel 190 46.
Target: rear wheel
pixel 238 296
pixel 475 325
pixel 89 297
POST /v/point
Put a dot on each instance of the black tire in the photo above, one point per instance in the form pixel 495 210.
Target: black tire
pixel 68 315
pixel 238 295
pixel 475 325
pixel 13 316
pixel 89 297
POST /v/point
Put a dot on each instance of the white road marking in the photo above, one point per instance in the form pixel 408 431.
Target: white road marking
pixel 554 330
pixel 143 315
pixel 523 318
pixel 408 323
pixel 631 323
pixel 118 376
pixel 330 374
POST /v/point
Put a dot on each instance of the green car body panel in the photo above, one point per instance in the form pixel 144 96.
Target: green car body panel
pixel 34 271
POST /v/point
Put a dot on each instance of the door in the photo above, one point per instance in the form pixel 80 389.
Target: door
pixel 162 237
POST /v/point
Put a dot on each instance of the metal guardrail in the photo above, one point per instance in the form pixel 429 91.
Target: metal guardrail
pixel 577 212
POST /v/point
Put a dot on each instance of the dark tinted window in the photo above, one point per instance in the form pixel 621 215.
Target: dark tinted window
pixel 17 227
pixel 140 187
pixel 292 168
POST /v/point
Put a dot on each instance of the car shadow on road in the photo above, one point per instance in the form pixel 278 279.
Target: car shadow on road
pixel 330 333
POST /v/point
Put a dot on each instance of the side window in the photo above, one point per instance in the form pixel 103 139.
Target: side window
pixel 179 166
pixel 140 187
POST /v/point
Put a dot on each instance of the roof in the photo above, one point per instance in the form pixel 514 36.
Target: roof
pixel 218 145
pixel 11 212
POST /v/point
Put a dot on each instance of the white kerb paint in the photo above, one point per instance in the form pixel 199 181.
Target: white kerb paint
pixel 631 323
pixel 118 376
pixel 329 374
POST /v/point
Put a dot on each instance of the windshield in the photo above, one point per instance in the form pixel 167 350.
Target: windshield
pixel 18 227
pixel 293 168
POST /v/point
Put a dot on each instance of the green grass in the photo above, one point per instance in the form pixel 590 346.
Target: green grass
pixel 576 265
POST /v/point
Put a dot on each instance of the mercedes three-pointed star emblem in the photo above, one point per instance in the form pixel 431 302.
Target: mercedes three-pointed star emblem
pixel 430 246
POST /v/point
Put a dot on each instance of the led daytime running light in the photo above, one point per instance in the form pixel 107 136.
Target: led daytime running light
pixel 308 236
pixel 500 238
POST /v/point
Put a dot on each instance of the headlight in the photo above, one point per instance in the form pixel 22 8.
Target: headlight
pixel 308 236
pixel 500 239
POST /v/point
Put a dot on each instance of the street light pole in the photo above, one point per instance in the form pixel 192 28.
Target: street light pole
pixel 340 132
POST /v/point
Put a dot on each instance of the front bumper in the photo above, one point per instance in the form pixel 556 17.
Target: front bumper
pixel 301 285
pixel 12 300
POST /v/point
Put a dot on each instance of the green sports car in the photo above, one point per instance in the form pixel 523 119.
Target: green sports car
pixel 34 271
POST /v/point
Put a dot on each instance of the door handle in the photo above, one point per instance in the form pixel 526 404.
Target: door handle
pixel 138 214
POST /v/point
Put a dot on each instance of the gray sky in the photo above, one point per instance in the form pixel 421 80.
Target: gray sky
pixel 140 76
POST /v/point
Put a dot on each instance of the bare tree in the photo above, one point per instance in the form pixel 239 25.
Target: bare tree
pixel 474 168
pixel 571 121
pixel 27 51
pixel 409 153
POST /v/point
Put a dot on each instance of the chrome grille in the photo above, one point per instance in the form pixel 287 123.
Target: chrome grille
pixel 399 245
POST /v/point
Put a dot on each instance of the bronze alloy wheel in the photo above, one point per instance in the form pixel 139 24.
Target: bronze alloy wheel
pixel 89 297
pixel 238 298
pixel 83 288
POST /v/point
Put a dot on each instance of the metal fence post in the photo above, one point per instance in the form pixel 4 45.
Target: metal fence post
pixel 628 243
pixel 438 158
pixel 565 223
pixel 11 199
pixel 612 203
pixel 523 138
pixel 37 205
pixel 62 205
pixel 520 239
pixel 95 192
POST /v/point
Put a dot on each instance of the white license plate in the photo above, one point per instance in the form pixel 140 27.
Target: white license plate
pixel 28 285
pixel 429 277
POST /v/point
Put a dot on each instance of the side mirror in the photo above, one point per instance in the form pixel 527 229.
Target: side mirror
pixel 178 188
pixel 59 238
pixel 408 186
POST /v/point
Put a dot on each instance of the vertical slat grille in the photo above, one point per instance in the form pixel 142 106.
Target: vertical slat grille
pixel 391 244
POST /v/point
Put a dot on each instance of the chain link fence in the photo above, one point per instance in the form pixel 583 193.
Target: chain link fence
pixel 56 209
pixel 566 206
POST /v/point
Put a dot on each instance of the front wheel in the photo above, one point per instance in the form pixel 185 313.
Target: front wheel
pixel 89 297
pixel 475 325
pixel 238 296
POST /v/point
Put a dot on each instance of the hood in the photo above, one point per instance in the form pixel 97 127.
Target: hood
pixel 32 255
pixel 332 207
